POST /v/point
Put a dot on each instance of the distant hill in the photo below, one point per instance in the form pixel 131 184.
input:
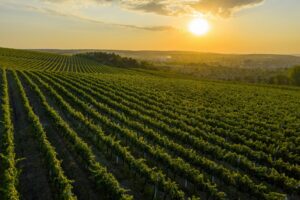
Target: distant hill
pixel 40 61
pixel 270 61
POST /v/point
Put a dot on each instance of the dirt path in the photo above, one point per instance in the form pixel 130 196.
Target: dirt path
pixel 83 188
pixel 127 179
pixel 33 179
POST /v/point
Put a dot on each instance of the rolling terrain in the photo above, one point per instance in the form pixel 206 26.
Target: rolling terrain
pixel 72 128
pixel 248 61
pixel 247 68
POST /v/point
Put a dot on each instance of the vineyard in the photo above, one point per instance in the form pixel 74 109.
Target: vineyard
pixel 71 128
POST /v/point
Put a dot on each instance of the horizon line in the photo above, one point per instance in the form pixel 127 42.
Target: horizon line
pixel 156 50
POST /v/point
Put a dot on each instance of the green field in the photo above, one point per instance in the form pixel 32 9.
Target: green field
pixel 73 128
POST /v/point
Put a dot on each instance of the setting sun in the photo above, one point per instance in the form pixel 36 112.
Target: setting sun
pixel 199 26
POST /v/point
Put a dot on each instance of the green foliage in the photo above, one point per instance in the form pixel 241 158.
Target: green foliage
pixel 102 178
pixel 138 165
pixel 36 61
pixel 10 173
pixel 177 138
pixel 280 79
pixel 112 59
pixel 230 178
pixel 59 180
pixel 93 86
pixel 295 75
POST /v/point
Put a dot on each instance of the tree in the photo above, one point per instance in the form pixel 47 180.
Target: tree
pixel 280 79
pixel 295 75
pixel 115 60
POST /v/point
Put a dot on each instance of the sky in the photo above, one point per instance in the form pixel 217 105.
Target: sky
pixel 236 26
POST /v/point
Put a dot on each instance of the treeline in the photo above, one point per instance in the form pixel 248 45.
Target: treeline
pixel 289 76
pixel 292 77
pixel 295 75
pixel 283 76
pixel 112 59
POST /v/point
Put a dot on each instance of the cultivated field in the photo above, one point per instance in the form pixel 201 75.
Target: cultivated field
pixel 72 128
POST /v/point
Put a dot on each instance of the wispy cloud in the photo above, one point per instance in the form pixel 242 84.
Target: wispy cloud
pixel 223 8
pixel 72 9
pixel 78 16
pixel 148 28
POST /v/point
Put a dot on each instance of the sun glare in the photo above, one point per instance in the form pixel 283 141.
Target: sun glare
pixel 199 26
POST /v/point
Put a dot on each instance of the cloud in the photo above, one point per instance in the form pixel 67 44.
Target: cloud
pixel 78 16
pixel 161 7
pixel 223 8
pixel 147 28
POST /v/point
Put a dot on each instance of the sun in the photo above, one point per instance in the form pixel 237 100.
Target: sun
pixel 199 26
